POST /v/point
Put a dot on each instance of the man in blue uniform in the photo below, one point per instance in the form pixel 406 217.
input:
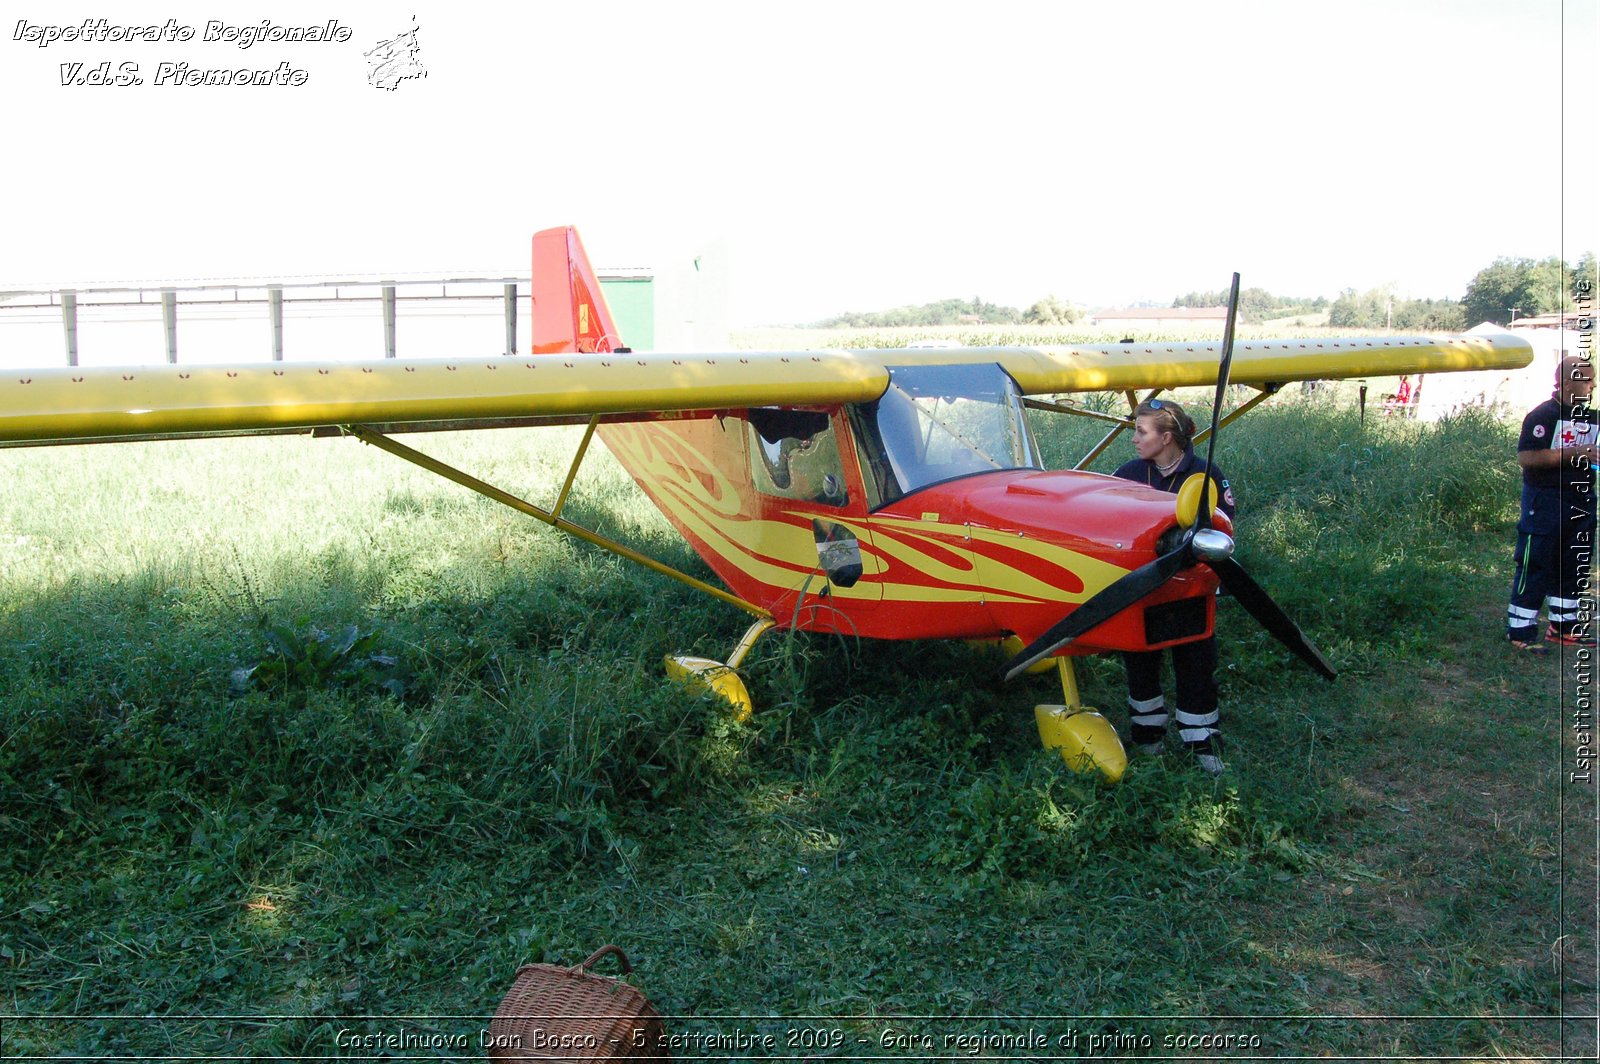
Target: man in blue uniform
pixel 1556 529
pixel 1163 438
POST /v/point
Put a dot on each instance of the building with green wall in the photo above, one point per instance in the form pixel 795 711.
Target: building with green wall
pixel 633 307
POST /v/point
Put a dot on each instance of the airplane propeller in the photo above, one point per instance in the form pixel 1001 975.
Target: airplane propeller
pixel 1201 543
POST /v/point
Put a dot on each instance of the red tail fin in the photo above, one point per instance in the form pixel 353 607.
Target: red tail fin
pixel 569 313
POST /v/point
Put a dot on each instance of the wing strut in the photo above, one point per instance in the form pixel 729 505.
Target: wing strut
pixel 577 460
pixel 466 480
pixel 1239 411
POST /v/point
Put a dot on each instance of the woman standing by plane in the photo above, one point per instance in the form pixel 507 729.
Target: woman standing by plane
pixel 1163 438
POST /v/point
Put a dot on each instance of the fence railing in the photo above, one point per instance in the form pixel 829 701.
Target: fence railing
pixel 274 296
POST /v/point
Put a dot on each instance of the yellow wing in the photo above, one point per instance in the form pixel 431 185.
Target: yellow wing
pixel 1116 367
pixel 70 405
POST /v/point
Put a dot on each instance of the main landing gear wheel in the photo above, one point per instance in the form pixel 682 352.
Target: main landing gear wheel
pixel 1086 740
pixel 720 678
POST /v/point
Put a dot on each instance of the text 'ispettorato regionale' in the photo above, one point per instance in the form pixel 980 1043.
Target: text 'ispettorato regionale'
pixel 168 72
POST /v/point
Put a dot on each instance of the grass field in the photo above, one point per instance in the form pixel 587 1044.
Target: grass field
pixel 456 754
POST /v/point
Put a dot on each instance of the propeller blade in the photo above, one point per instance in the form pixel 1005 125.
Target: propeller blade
pixel 1132 587
pixel 1203 519
pixel 1253 598
pixel 1110 601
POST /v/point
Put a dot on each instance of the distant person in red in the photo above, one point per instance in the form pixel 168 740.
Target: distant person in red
pixel 1401 399
pixel 1556 528
pixel 1163 438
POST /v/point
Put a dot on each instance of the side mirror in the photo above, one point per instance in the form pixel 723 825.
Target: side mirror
pixel 838 553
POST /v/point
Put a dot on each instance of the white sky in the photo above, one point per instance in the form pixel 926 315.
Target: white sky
pixel 851 155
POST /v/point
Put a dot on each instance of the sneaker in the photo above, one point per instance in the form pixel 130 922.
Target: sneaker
pixel 1531 647
pixel 1578 637
pixel 1210 764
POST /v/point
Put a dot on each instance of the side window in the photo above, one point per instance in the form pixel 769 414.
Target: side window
pixel 794 454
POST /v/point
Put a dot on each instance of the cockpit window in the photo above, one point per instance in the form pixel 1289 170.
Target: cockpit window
pixel 794 454
pixel 939 422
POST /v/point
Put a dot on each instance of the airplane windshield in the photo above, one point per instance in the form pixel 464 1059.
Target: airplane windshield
pixel 939 422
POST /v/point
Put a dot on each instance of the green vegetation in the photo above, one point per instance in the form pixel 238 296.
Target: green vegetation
pixel 1527 286
pixel 1501 292
pixel 1379 309
pixel 457 754
pixel 945 312
pixel 1024 335
pixel 1256 305
pixel 1052 311
pixel 1524 288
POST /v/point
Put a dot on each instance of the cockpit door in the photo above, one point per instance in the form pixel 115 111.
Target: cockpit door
pixel 810 494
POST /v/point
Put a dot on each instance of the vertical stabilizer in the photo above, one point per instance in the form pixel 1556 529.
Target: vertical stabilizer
pixel 569 313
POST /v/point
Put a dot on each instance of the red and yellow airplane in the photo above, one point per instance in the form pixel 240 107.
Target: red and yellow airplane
pixel 893 494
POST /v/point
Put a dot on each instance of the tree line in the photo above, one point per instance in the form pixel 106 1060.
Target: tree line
pixel 1502 292
pixel 1505 290
pixel 1256 304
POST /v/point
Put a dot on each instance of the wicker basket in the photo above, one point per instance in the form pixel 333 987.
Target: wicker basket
pixel 557 1014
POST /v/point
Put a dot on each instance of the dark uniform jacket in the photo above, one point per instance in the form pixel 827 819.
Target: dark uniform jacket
pixel 1548 494
pixel 1141 471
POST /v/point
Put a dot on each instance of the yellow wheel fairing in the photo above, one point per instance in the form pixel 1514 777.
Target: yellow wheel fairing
pixel 1086 741
pixel 703 674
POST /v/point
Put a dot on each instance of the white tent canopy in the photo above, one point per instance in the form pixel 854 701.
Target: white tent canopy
pixel 1508 392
